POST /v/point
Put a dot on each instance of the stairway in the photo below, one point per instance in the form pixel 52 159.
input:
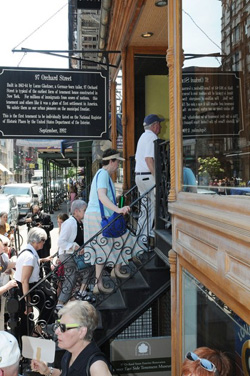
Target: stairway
pixel 149 280
pixel 132 298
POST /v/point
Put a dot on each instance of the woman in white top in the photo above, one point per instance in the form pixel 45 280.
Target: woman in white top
pixel 27 275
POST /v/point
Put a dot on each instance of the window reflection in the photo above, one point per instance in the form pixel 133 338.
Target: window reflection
pixel 216 95
pixel 207 321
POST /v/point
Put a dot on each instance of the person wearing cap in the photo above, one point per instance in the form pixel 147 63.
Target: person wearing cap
pixel 9 355
pixel 101 189
pixel 145 173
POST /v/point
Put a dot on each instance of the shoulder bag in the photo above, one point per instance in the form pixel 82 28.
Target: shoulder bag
pixel 79 260
pixel 115 225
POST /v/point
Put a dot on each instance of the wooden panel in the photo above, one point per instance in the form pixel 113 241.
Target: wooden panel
pixel 198 249
pixel 125 14
pixel 128 122
pixel 238 272
pixel 129 19
pixel 213 245
pixel 152 19
pixel 220 214
pixel 174 62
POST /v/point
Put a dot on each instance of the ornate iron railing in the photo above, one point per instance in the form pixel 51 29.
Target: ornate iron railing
pixel 132 251
pixel 162 180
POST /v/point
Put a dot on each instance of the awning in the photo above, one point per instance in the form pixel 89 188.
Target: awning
pixel 37 143
pixel 4 169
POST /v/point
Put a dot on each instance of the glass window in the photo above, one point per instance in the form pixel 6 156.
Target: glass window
pixel 207 321
pixel 216 97
pixel 17 191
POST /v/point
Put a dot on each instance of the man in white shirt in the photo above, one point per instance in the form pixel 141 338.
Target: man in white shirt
pixel 145 174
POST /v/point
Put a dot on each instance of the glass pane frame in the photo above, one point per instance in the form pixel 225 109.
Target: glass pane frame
pixel 207 321
pixel 215 98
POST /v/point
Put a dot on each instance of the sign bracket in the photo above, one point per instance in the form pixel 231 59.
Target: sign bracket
pixel 58 53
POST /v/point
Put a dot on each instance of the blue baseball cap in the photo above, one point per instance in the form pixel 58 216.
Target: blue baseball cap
pixel 150 119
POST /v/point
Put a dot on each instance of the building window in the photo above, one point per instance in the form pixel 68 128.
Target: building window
pixel 216 96
pixel 236 62
pixel 207 321
pixel 236 34
pixel 246 28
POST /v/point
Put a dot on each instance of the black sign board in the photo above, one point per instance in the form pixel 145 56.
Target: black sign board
pixel 89 4
pixel 41 103
pixel 211 104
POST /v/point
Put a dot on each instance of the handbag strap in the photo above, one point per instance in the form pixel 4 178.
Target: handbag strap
pixel 100 203
pixel 30 252
pixel 24 251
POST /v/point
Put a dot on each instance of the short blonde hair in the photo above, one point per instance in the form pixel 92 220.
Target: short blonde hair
pixel 84 314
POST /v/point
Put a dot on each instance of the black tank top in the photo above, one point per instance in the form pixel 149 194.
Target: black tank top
pixel 79 236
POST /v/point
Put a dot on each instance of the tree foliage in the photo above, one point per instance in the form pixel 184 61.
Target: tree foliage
pixel 71 172
pixel 209 166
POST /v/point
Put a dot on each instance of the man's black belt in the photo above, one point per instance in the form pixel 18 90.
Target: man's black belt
pixel 143 173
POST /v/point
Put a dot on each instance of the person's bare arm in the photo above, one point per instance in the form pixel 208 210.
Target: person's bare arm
pixel 44 369
pixel 151 165
pixel 9 285
pixel 99 368
pixel 11 265
pixel 102 195
pixel 26 274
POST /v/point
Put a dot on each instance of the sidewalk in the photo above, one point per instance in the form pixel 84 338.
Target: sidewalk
pixel 55 232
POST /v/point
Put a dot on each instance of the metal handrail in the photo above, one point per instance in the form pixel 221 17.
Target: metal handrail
pixel 132 247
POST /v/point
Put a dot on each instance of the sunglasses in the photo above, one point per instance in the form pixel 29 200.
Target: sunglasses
pixel 206 364
pixel 65 327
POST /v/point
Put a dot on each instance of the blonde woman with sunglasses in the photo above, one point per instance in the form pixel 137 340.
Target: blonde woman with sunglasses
pixel 74 330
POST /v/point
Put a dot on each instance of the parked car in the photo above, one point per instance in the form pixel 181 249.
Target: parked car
pixel 38 190
pixel 8 204
pixel 37 178
pixel 24 195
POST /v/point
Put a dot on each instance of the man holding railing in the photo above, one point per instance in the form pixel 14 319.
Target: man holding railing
pixel 145 174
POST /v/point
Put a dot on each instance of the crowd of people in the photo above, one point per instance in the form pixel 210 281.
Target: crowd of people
pixel 77 318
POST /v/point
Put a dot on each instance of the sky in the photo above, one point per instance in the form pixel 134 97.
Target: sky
pixel 201 30
pixel 44 25
pixel 31 24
